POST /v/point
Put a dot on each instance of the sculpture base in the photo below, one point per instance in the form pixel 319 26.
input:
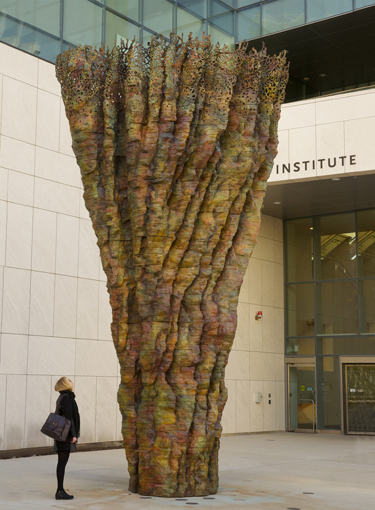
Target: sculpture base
pixel 161 493
pixel 194 478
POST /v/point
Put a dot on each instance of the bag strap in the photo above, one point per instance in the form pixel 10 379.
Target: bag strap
pixel 58 403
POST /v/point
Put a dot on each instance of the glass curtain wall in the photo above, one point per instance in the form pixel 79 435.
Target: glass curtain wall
pixel 330 297
pixel 46 27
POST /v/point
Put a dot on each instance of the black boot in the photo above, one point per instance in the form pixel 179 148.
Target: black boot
pixel 61 494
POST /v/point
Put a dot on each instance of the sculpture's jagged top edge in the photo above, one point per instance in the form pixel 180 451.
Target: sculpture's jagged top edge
pixel 89 64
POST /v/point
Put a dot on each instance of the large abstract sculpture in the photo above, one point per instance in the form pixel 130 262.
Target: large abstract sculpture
pixel 175 144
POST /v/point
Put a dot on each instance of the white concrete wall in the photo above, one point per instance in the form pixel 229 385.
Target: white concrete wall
pixel 54 311
pixel 256 363
pixel 326 128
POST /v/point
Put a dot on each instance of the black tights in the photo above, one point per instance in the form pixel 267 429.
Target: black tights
pixel 63 458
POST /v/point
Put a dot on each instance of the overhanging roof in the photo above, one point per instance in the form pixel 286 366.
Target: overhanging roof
pixel 320 196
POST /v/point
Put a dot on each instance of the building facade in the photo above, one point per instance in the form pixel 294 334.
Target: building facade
pixel 309 363
pixel 326 161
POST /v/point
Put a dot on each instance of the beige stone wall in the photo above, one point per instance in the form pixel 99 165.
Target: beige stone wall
pixel 256 363
pixel 54 310
pixel 326 128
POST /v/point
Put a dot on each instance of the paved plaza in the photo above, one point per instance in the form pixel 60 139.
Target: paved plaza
pixel 277 471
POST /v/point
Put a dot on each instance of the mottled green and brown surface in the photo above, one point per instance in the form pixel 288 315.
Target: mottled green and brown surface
pixel 175 143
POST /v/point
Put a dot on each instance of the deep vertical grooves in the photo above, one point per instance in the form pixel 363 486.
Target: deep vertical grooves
pixel 175 144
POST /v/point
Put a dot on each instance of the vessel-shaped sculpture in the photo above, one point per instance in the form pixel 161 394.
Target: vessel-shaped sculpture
pixel 175 143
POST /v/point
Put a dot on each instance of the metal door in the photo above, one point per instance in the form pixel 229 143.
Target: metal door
pixel 301 397
pixel 359 394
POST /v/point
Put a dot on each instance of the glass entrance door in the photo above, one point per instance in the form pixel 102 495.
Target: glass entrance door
pixel 301 400
pixel 360 398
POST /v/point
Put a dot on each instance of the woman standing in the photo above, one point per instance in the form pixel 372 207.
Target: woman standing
pixel 69 409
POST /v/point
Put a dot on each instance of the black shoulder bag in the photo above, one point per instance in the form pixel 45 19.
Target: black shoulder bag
pixel 57 426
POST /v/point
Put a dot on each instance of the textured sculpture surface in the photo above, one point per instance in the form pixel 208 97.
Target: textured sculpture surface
pixel 175 143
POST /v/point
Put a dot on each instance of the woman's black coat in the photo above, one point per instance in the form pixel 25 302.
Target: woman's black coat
pixel 69 409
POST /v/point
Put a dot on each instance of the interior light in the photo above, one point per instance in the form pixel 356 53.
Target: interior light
pixel 307 78
pixel 311 228
pixel 354 256
pixel 277 203
pixel 335 179
pixel 322 75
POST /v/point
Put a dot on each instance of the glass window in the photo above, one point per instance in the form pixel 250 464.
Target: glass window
pixel 245 3
pixel 366 289
pixel 299 250
pixel 43 14
pixel 187 22
pixel 328 392
pixel 296 91
pixel 82 22
pixel 32 26
pixel 366 243
pixel 28 39
pixel 302 409
pixel 147 36
pixel 300 306
pixel 335 246
pixel 282 15
pixel 216 8
pixel 300 346
pixel 222 36
pixel 129 8
pixel 221 17
pixel 117 28
pixel 158 15
pixel 248 23
pixel 336 307
pixel 363 3
pixel 339 345
pixel 320 9
pixel 195 7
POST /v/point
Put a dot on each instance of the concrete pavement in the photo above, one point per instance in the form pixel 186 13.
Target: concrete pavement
pixel 258 472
